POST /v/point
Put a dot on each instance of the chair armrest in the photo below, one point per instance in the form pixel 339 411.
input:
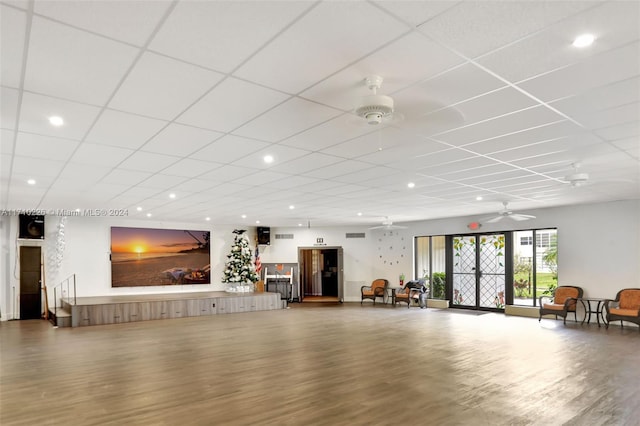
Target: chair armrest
pixel 365 286
pixel 570 300
pixel 543 297
pixel 609 302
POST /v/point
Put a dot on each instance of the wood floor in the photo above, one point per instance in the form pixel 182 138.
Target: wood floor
pixel 321 364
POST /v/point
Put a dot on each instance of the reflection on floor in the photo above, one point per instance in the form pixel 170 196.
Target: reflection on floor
pixel 320 299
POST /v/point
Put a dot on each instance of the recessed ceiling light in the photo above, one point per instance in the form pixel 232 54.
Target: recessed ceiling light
pixel 78 210
pixel 291 207
pixel 584 40
pixel 148 214
pixel 411 185
pixel 244 216
pixel 207 218
pixel 359 213
pixel 139 209
pixel 54 120
pixel 268 159
pixel 31 181
pixel 257 221
pixel 299 224
pixel 478 198
pixel 172 195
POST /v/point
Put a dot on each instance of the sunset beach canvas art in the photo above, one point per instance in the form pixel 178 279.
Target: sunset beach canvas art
pixel 156 257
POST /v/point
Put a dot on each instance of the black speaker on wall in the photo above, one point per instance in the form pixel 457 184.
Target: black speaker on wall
pixel 264 235
pixel 31 227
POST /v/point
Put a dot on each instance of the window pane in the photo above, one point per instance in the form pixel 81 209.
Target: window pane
pixel 546 260
pixel 523 269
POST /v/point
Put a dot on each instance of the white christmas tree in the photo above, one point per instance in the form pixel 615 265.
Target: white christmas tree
pixel 239 268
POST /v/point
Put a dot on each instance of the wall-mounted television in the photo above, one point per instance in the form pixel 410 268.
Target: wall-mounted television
pixel 154 257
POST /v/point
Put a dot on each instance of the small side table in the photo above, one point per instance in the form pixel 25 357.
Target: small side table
pixel 390 293
pixel 588 309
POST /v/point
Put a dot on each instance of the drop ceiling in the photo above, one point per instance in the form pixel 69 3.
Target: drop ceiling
pixel 188 97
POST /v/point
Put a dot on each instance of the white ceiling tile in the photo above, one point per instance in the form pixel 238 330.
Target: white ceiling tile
pixel 177 137
pixel 327 134
pixel 138 191
pixel 193 185
pixel 162 181
pixel 206 26
pixel 148 162
pixel 12 30
pixel 545 133
pixel 84 171
pixel 344 89
pixel 600 98
pixel 6 141
pixel 42 182
pixel 259 178
pixel 442 170
pixel 124 130
pixel 620 131
pixel 628 143
pixel 36 166
pixel 36 110
pixel 370 143
pixel 79 66
pixel 474 28
pixel 493 104
pixel 309 52
pixel 552 48
pixel 611 117
pixel 162 87
pixel 9 108
pixel 415 12
pixel 307 163
pixel 458 84
pixel 291 182
pixel 231 104
pixel 190 168
pixel 440 157
pixel 365 175
pixel 279 153
pixel 36 146
pixel 229 148
pixel 574 155
pixel 100 155
pixel 226 173
pixel 293 116
pixel 131 21
pixel 125 177
pixel 516 122
pixel 591 73
pixel 338 169
pixel 227 189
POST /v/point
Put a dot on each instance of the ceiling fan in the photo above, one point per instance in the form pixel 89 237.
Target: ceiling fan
pixel 576 178
pixel 388 225
pixel 376 110
pixel 505 212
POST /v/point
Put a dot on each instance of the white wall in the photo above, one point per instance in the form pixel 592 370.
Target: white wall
pixel 598 249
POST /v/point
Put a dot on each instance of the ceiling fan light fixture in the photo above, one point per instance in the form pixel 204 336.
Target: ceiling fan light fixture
pixel 374 108
pixel 577 179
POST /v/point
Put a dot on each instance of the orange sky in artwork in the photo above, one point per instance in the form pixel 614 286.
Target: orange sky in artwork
pixel 142 240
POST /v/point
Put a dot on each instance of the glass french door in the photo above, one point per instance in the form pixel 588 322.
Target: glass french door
pixel 479 271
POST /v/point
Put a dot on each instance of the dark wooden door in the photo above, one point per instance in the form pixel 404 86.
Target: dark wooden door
pixel 30 298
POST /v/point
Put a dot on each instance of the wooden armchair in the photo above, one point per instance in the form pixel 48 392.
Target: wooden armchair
pixel 626 307
pixel 377 288
pixel 564 300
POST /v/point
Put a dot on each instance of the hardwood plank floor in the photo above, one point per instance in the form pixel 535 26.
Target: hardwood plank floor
pixel 321 364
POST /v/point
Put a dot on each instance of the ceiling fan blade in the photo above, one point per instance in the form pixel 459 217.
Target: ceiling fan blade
pixel 520 217
pixel 494 219
pixel 378 227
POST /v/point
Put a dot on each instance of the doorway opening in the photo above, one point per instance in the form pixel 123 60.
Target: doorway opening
pixel 321 274
pixel 30 275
